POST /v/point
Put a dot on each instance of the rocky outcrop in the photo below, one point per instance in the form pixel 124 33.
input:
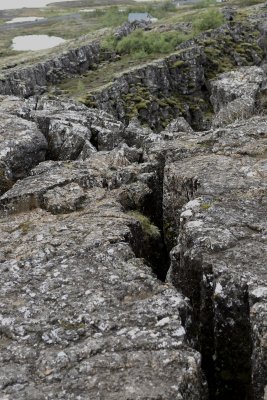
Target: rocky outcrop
pixel 81 304
pixel 86 231
pixel 214 207
pixel 157 92
pixel 29 80
pixel 78 248
pixel 22 146
pixel 129 27
pixel 78 298
pixel 234 95
pixel 178 85
pixel 77 134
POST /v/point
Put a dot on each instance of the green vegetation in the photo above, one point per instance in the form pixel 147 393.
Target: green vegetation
pixel 246 3
pixel 210 19
pixel 221 54
pixel 69 23
pixel 204 4
pixel 25 227
pixel 205 206
pixel 149 43
pixel 70 326
pixel 148 228
pixel 140 43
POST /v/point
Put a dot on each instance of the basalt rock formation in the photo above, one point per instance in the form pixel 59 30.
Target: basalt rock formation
pixel 178 85
pixel 29 80
pixel 133 263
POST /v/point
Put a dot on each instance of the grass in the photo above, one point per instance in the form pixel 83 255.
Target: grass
pixel 148 228
pixel 106 15
pixel 140 47
pixel 246 3
pixel 204 4
pixel 210 19
pixel 94 24
pixel 140 44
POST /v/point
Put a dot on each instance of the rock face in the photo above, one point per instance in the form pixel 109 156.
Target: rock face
pixel 157 92
pixel 215 202
pixel 27 81
pixel 234 95
pixel 154 92
pixel 22 146
pixel 133 264
pixel 79 293
pixel 81 304
pixel 178 85
pixel 78 298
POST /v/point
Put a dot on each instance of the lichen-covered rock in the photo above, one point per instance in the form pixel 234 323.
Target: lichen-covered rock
pixel 231 85
pixel 82 315
pixel 28 80
pixel 154 92
pixel 74 131
pixel 234 94
pixel 68 135
pixel 71 129
pixel 22 146
pixel 215 200
pixel 84 238
pixel 237 110
pixel 135 134
pixel 128 27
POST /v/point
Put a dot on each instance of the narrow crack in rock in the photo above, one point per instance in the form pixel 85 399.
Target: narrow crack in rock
pixel 133 263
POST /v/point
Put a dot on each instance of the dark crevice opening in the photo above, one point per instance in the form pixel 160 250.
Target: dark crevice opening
pixel 94 140
pixel 220 329
pixel 153 247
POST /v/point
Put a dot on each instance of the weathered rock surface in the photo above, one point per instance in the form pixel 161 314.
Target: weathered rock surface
pixel 83 313
pixel 178 84
pixel 29 80
pixel 234 95
pixel 22 146
pixel 155 84
pixel 232 85
pixel 77 300
pixel 129 27
pixel 215 200
pixel 70 213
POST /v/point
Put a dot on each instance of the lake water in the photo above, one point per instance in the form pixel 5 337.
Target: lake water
pixel 24 19
pixel 35 42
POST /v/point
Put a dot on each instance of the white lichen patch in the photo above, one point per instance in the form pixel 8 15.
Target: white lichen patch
pixel 260 292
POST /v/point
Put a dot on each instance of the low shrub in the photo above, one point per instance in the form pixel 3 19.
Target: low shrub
pixel 150 42
pixel 210 19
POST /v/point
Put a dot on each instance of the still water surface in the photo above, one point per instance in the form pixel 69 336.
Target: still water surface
pixel 35 42
pixel 24 19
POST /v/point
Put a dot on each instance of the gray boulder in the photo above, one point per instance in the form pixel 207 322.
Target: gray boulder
pixel 231 85
pixel 22 146
pixel 234 95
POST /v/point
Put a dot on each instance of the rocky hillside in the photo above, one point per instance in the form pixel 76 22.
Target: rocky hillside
pixel 133 261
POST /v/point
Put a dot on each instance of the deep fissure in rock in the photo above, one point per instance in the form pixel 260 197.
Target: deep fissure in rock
pixel 153 247
pixel 225 346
